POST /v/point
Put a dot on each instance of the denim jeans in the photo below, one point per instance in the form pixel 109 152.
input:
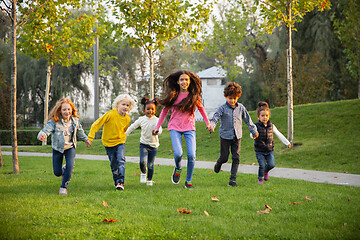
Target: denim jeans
pixel 150 152
pixel 116 156
pixel 190 139
pixel 235 146
pixel 266 162
pixel 58 158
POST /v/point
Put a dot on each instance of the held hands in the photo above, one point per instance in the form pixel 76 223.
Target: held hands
pixel 210 128
pixel 289 146
pixel 42 137
pixel 88 143
pixel 255 136
pixel 155 132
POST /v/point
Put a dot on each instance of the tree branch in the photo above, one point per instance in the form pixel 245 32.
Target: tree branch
pixel 26 17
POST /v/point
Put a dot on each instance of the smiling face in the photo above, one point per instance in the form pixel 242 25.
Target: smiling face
pixel 264 116
pixel 150 110
pixel 231 100
pixel 66 111
pixel 184 83
pixel 123 107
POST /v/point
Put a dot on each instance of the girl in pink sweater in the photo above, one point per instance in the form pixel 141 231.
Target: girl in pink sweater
pixel 182 94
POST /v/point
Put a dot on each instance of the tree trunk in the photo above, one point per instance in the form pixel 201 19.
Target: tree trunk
pixel 46 105
pixel 1 159
pixel 290 82
pixel 13 91
pixel 151 56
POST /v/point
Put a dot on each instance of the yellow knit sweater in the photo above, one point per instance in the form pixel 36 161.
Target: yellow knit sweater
pixel 114 129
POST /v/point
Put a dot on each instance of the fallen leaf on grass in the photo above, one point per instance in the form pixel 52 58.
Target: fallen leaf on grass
pixel 214 199
pixel 294 166
pixel 295 203
pixel 109 220
pixel 307 199
pixel 348 200
pixel 267 210
pixel 210 173
pixel 137 174
pixel 171 150
pixel 184 210
pixel 76 201
pixel 335 177
pixel 206 213
pixel 105 204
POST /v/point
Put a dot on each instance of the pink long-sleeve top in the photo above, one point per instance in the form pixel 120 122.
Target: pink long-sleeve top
pixel 182 121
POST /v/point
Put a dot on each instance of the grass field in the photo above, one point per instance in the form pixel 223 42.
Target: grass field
pixel 326 137
pixel 30 207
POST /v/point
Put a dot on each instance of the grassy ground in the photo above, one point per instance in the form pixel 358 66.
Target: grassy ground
pixel 30 207
pixel 326 137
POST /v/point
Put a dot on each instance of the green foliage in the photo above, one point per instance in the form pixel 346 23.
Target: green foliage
pixel 31 208
pixel 25 137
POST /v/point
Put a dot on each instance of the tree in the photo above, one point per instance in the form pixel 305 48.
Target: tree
pixel 149 24
pixel 348 31
pixel 11 7
pixel 58 37
pixel 288 12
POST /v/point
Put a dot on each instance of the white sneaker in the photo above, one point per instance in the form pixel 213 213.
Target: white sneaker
pixel 143 177
pixel 149 182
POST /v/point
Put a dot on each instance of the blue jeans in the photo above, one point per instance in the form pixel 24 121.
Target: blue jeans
pixel 58 158
pixel 190 139
pixel 266 162
pixel 150 152
pixel 116 156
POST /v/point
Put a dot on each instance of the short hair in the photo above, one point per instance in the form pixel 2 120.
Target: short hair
pixel 232 89
pixel 145 101
pixel 125 96
pixel 55 113
pixel 262 106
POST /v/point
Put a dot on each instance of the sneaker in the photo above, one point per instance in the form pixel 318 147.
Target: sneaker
pixel 149 182
pixel 232 184
pixel 217 167
pixel 188 185
pixel 261 181
pixel 176 176
pixel 143 177
pixel 63 191
pixel 119 186
pixel 266 176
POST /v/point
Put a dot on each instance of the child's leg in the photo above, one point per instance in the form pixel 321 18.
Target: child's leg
pixel 261 160
pixel 116 156
pixel 190 138
pixel 57 163
pixel 70 163
pixel 150 163
pixel 143 155
pixel 224 150
pixel 235 153
pixel 177 148
pixel 270 161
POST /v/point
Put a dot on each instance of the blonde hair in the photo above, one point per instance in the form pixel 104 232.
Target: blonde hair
pixel 126 97
pixel 55 113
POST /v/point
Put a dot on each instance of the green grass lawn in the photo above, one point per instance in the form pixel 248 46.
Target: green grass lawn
pixel 326 137
pixel 30 207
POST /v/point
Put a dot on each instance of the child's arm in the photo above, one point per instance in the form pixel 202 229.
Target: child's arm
pixel 247 119
pixel 281 137
pixel 82 136
pixel 133 126
pixel 162 116
pixel 46 131
pixel 254 136
pixel 96 126
pixel 202 111
pixel 216 117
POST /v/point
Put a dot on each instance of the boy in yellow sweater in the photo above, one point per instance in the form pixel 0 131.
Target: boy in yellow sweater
pixel 116 122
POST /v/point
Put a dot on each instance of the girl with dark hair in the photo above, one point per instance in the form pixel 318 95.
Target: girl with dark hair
pixel 182 91
pixel 149 143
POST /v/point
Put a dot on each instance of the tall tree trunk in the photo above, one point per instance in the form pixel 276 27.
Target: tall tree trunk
pixel 151 57
pixel 1 159
pixel 13 91
pixel 46 105
pixel 290 82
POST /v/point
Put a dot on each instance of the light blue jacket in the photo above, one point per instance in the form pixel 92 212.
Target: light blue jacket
pixel 231 121
pixel 57 133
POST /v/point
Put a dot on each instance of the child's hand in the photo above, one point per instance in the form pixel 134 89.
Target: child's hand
pixel 255 136
pixel 289 146
pixel 42 137
pixel 210 128
pixel 155 132
pixel 88 143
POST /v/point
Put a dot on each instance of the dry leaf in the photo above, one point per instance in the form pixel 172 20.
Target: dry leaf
pixel 268 207
pixel 348 200
pixel 214 199
pixel 294 166
pixel 307 199
pixel 262 212
pixel 184 210
pixel 137 174
pixel 109 220
pixel 76 201
pixel 171 150
pixel 206 213
pixel 295 203
pixel 210 173
pixel 105 204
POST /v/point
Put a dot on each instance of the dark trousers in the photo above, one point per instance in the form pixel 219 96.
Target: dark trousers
pixel 235 146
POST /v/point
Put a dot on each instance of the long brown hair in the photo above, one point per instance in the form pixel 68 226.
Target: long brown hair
pixel 55 113
pixel 171 91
